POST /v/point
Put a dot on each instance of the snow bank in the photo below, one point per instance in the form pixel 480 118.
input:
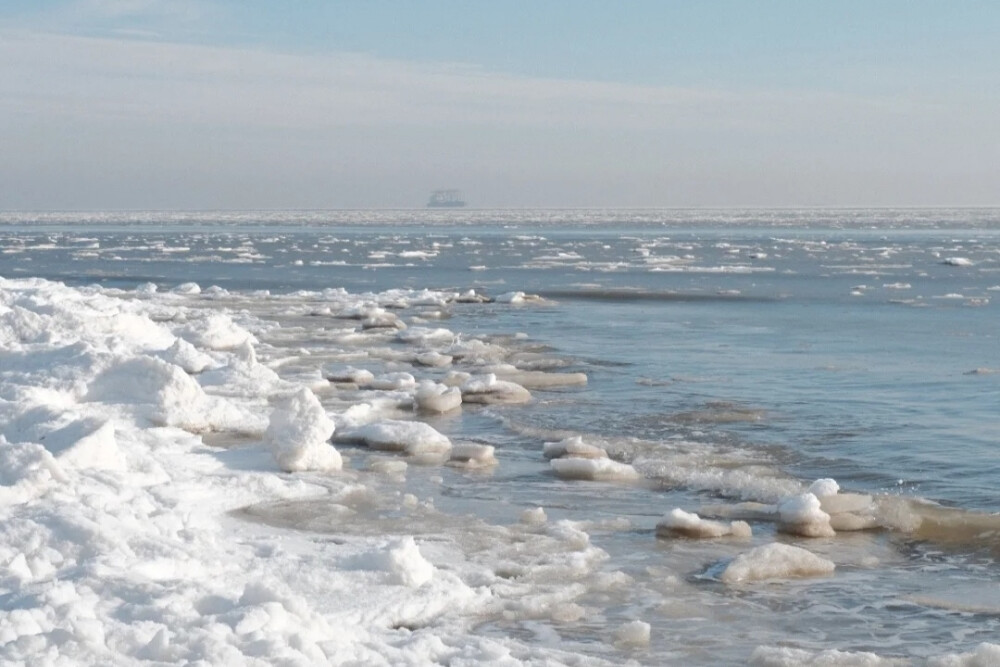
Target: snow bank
pixel 298 435
pixel 775 561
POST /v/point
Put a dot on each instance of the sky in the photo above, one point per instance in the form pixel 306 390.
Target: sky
pixel 309 104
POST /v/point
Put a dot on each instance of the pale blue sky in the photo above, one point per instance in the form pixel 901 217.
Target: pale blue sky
pixel 308 104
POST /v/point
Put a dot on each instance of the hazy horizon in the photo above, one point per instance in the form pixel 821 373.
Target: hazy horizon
pixel 214 105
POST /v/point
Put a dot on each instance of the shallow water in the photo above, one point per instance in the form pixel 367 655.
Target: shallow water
pixel 730 357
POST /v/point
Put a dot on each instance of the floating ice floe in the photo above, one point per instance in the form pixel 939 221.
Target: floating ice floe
pixel 348 374
pixel 392 381
pixel 299 432
pixel 433 397
pixel 573 446
pixel 488 389
pixel 679 523
pixel 633 633
pixel 601 469
pixel 432 359
pixel 517 298
pixel 472 455
pixel 802 515
pixel 426 336
pixel 393 435
pixel 537 379
pixel 775 561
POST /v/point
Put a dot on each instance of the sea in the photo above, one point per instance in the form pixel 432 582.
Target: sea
pixel 732 358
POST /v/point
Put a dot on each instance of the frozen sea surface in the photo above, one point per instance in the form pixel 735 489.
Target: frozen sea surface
pixel 574 437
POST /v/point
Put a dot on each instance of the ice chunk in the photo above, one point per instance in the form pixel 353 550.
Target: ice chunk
pixel 592 469
pixel 488 389
pixel 299 432
pixel 433 359
pixel 801 515
pixel 348 374
pixel 540 379
pixel 573 446
pixel 775 561
pixel 426 336
pixel 392 381
pixel 402 436
pixel 686 524
pixel 472 455
pixel 433 397
pixel 634 633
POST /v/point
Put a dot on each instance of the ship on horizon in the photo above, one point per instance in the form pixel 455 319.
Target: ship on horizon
pixel 446 199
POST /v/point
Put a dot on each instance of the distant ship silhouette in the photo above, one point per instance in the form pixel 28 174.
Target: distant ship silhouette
pixel 446 199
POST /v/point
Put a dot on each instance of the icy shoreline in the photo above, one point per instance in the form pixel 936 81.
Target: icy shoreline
pixel 125 537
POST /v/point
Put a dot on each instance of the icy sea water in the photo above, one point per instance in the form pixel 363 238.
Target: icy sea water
pixel 730 357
